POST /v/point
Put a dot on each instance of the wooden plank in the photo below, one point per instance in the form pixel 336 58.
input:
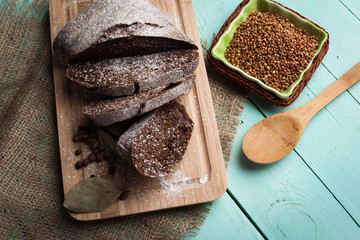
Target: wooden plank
pixel 330 143
pixel 353 6
pixel 249 182
pixel 200 177
pixel 227 221
pixel 285 199
pixel 224 214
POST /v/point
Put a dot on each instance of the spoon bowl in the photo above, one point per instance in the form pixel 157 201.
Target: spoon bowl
pixel 272 139
pixel 275 137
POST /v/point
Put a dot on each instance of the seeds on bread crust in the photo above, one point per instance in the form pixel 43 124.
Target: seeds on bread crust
pixel 130 75
pixel 156 144
pixel 115 110
pixel 113 28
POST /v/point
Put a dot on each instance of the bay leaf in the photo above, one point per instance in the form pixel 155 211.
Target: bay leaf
pixel 91 195
pixel 109 143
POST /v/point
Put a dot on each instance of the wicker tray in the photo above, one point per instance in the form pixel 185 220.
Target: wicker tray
pixel 254 87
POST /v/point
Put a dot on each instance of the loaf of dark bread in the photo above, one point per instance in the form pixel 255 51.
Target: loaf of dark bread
pixel 156 143
pixel 135 74
pixel 119 109
pixel 114 28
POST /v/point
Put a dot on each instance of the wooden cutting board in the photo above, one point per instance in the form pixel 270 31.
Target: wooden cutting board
pixel 199 178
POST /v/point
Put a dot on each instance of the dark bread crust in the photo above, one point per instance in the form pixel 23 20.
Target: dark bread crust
pixel 119 109
pixel 126 139
pixel 156 143
pixel 114 28
pixel 129 75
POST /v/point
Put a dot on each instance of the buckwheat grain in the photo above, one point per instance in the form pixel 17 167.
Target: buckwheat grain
pixel 271 49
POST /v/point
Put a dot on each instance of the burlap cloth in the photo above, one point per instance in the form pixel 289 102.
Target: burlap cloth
pixel 30 182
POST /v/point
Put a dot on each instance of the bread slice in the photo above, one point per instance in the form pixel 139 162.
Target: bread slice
pixel 156 143
pixel 115 110
pixel 136 74
pixel 114 28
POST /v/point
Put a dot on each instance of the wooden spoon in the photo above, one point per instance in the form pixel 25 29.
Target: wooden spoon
pixel 275 137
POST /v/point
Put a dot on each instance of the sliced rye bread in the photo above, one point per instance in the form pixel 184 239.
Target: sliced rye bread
pixel 157 142
pixel 114 28
pixel 119 109
pixel 129 75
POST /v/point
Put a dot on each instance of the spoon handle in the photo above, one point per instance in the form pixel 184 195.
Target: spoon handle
pixel 351 77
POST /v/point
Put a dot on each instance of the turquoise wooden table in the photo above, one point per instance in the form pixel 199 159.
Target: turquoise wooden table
pixel 314 192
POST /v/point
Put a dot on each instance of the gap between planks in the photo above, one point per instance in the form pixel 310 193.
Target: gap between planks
pixel 349 10
pixel 228 191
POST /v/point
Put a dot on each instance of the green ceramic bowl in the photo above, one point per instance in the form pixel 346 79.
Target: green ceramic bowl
pixel 218 51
